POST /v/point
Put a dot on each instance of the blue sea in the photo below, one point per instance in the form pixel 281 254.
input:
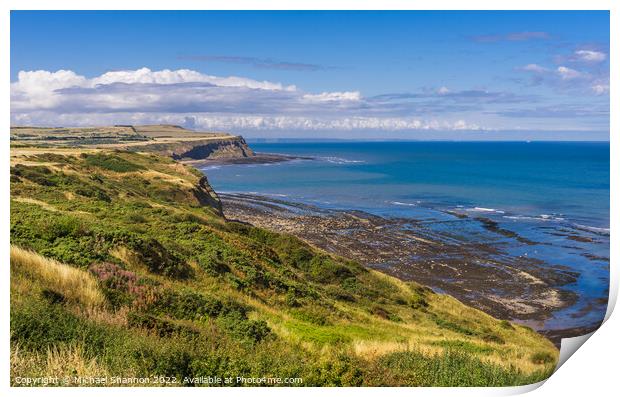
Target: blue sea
pixel 544 191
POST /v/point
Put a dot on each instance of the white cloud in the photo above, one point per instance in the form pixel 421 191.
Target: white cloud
pixel 532 67
pixel 600 88
pixel 211 102
pixel 590 56
pixel 568 73
pixel 40 89
pixel 233 103
pixel 37 89
pixel 166 76
pixel 565 79
pixel 246 122
pixel 333 96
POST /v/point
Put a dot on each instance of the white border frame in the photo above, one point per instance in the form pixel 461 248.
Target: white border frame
pixel 594 368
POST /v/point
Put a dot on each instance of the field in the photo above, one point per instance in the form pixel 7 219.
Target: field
pixel 123 265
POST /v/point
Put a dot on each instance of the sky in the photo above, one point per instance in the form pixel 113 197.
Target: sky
pixel 356 75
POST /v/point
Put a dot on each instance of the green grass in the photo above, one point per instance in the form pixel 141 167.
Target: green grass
pixel 111 162
pixel 187 293
pixel 452 368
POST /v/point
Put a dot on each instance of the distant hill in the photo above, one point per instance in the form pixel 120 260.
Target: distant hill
pixel 169 140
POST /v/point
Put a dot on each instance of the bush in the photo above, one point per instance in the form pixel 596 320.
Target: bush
pixel 158 326
pixel 93 192
pixel 158 259
pixel 123 287
pixel 240 327
pixel 418 303
pixel 37 174
pixel 323 269
pixel 136 218
pixel 111 162
pixel 190 305
pixel 53 228
pixel 342 370
pixel 38 326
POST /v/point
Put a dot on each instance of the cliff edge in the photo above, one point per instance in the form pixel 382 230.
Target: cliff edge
pixel 167 140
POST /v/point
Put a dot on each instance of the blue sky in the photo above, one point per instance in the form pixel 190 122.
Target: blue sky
pixel 450 75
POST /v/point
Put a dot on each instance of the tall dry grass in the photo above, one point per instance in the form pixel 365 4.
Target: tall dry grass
pixel 58 361
pixel 73 284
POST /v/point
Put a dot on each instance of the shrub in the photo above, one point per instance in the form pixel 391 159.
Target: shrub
pixel 240 327
pixel 136 218
pixel 37 174
pixel 341 370
pixel 123 287
pixel 93 192
pixel 323 269
pixel 418 303
pixel 158 326
pixel 38 326
pixel 56 227
pixel 158 259
pixel 111 162
pixel 191 305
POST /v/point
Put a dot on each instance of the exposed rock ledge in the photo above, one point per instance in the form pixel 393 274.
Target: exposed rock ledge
pixel 200 149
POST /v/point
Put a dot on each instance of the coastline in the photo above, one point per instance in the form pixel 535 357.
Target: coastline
pixel 517 289
pixel 257 158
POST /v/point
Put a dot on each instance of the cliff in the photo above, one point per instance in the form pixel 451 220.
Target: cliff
pixel 123 262
pixel 167 140
pixel 199 149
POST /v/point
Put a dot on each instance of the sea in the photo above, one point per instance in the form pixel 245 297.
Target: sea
pixel 553 193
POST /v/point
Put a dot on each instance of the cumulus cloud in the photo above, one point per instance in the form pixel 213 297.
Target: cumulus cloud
pixel 65 90
pixel 600 88
pixel 205 101
pixel 589 56
pixel 232 103
pixel 532 67
pixel 568 73
pixel 563 78
pixel 145 75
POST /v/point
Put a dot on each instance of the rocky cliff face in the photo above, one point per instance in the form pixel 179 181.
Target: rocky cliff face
pixel 200 149
pixel 205 195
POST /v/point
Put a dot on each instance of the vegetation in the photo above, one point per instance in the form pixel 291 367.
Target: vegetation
pixel 118 268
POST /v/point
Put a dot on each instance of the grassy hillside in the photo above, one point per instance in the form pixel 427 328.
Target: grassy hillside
pixel 121 265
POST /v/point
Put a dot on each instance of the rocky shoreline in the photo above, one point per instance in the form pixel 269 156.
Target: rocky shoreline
pixel 257 158
pixel 519 289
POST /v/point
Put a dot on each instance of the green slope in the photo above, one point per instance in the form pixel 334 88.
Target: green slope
pixel 121 265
